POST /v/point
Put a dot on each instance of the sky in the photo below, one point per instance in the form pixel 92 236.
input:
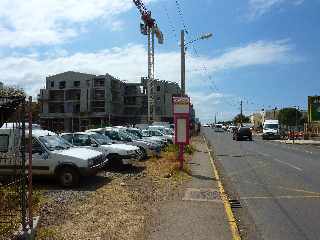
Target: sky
pixel 263 52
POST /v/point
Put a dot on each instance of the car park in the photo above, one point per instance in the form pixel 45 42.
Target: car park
pixel 242 133
pixel 53 156
pixel 119 134
pixel 157 144
pixel 118 153
pixel 166 132
pixel 159 135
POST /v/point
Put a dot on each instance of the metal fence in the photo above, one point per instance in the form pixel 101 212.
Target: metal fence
pixel 15 176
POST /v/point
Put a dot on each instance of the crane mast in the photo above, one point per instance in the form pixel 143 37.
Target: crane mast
pixel 150 28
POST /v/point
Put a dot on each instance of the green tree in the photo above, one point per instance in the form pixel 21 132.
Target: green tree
pixel 289 116
pixel 237 119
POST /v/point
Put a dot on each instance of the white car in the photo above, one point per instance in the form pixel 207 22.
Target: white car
pixel 53 156
pixel 117 153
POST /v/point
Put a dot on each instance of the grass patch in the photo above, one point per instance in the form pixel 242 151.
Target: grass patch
pixel 9 209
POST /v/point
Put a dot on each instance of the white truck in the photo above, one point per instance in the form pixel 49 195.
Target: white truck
pixel 51 156
pixel 271 129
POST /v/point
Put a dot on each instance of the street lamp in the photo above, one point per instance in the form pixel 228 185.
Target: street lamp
pixel 183 57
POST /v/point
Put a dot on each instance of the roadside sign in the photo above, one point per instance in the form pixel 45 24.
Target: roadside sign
pixel 314 108
pixel 181 105
pixel 181 113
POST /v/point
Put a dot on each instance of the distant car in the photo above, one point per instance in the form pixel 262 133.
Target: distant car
pixel 242 133
pixel 206 125
pixel 218 128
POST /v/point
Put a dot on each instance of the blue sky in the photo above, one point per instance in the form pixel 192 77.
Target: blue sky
pixel 264 52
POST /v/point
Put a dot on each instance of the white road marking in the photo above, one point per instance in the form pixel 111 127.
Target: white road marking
pixel 288 164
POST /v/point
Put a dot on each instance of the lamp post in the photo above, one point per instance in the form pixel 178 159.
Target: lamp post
pixel 183 57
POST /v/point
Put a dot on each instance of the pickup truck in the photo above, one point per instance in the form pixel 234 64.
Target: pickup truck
pixel 52 156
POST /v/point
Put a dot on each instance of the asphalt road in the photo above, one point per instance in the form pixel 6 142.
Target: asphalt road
pixel 278 184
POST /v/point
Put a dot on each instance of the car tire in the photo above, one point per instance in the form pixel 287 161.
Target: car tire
pixel 68 177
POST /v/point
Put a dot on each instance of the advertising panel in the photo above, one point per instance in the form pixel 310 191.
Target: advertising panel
pixel 314 109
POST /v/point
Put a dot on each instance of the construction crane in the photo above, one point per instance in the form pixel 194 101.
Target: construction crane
pixel 149 28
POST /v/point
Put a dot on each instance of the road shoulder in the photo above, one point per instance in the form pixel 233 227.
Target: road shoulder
pixel 198 211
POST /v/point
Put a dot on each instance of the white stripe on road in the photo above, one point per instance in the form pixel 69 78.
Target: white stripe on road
pixel 288 164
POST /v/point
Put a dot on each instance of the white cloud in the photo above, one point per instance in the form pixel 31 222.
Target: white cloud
pixel 258 53
pixel 260 7
pixel 129 63
pixel 38 22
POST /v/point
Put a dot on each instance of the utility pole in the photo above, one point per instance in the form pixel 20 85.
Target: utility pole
pixel 149 75
pixel 241 113
pixel 183 65
pixel 296 129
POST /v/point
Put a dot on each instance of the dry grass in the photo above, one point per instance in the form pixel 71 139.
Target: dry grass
pixel 121 208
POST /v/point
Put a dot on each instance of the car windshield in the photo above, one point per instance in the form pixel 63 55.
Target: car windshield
pixel 136 133
pixel 146 133
pixel 157 133
pixel 53 142
pixel 102 139
pixel 168 131
pixel 124 136
pixel 131 135
pixel 271 126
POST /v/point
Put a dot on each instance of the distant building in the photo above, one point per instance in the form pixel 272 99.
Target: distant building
pixel 74 101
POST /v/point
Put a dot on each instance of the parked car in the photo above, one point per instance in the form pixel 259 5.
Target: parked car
pixel 159 134
pixel 242 133
pixel 166 132
pixel 138 133
pixel 117 153
pixel 118 134
pixel 53 156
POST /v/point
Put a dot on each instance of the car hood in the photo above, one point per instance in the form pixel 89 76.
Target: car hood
pixel 82 153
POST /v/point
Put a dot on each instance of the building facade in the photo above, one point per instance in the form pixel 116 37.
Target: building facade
pixel 75 101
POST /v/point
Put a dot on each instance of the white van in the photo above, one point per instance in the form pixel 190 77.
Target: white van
pixel 271 129
pixel 52 156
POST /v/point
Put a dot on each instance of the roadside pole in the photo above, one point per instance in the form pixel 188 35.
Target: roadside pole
pixel 241 113
pixel 183 65
pixel 30 165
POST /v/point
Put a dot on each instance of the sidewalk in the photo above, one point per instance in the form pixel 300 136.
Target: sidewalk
pixel 301 142
pixel 199 214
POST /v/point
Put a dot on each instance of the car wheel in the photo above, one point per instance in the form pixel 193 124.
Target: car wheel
pixel 114 161
pixel 68 177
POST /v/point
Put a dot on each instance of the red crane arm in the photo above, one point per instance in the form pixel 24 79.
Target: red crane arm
pixel 145 13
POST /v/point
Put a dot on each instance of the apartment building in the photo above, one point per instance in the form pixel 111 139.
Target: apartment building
pixel 75 101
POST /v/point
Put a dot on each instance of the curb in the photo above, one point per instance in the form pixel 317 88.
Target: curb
pixel 231 219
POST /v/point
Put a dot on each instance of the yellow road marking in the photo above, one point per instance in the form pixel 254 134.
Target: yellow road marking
pixel 229 213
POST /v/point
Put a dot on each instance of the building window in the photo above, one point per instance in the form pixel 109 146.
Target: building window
pixel 76 83
pixel 52 84
pixel 158 88
pixel 62 84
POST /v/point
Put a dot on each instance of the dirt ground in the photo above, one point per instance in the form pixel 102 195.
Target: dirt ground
pixel 113 205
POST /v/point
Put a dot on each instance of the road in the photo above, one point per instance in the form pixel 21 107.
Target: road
pixel 278 184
